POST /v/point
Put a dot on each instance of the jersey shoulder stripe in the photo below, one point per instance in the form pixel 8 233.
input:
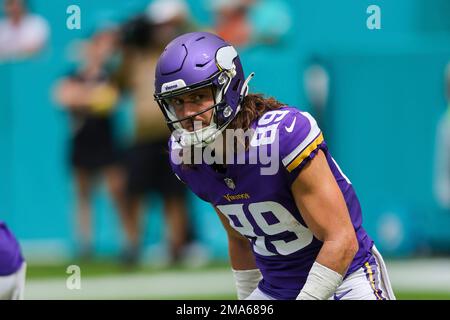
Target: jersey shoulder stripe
pixel 313 138
pixel 305 153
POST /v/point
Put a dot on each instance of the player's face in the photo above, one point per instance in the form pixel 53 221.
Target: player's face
pixel 14 8
pixel 189 104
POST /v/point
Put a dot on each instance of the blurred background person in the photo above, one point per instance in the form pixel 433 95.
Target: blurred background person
pixel 232 22
pixel 442 157
pixel 22 34
pixel 12 266
pixel 251 22
pixel 169 18
pixel 316 83
pixel 90 97
pixel 143 39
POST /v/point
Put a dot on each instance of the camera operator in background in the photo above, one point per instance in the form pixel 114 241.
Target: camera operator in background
pixel 142 39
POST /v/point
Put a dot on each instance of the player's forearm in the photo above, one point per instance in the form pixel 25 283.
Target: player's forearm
pixel 241 255
pixel 245 272
pixel 338 254
pixel 328 271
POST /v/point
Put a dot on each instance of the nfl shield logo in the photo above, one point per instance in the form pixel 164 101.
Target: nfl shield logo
pixel 230 183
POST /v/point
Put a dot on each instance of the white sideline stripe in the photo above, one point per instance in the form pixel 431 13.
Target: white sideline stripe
pixel 418 275
pixel 145 286
pixel 313 133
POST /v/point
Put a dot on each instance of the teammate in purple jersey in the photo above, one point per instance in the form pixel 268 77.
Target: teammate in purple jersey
pixel 292 217
pixel 12 266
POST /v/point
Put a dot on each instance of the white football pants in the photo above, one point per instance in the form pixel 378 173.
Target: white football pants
pixel 12 287
pixel 370 282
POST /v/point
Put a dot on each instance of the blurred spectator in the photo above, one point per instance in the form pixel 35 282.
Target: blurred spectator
pixel 22 34
pixel 316 82
pixel 144 37
pixel 169 18
pixel 90 98
pixel 442 158
pixel 232 22
pixel 251 22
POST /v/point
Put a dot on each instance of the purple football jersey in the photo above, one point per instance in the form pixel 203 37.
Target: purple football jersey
pixel 261 206
pixel 10 256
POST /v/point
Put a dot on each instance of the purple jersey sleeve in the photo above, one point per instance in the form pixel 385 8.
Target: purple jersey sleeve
pixel 10 255
pixel 300 139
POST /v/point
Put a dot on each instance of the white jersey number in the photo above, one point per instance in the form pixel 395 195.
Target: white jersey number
pixel 265 134
pixel 299 235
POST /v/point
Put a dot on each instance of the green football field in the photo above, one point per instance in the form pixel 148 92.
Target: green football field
pixel 105 279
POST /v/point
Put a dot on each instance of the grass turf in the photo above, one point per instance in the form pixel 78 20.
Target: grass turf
pixel 111 268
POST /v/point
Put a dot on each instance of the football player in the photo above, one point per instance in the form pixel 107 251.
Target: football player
pixel 295 233
pixel 12 266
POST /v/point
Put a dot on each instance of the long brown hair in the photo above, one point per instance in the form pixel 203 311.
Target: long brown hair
pixel 253 106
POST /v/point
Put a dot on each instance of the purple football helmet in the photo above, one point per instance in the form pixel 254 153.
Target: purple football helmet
pixel 193 61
